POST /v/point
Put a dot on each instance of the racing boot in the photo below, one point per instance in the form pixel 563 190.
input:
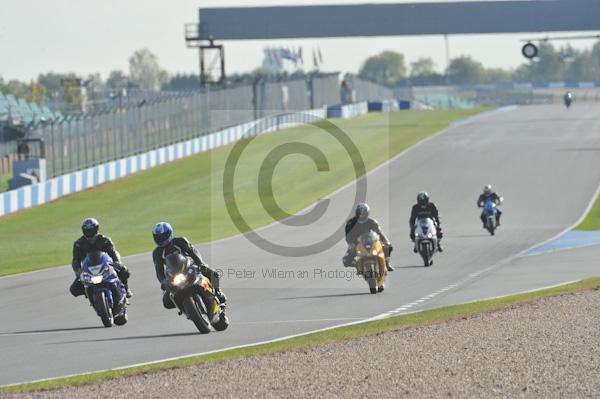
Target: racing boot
pixel 215 280
pixel 388 266
pixel 123 274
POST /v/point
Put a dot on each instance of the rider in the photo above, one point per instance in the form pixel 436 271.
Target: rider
pixel 92 241
pixel 568 97
pixel 168 244
pixel 489 195
pixel 359 224
pixel 425 209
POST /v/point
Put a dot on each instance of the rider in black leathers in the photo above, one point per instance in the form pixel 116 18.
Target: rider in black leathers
pixel 425 209
pixel 359 224
pixel 91 241
pixel 489 195
pixel 568 99
pixel 168 244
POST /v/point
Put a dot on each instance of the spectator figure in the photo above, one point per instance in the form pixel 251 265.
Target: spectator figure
pixel 23 150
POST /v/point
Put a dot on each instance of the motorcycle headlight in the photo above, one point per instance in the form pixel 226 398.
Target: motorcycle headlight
pixel 429 235
pixel 374 252
pixel 97 279
pixel 179 279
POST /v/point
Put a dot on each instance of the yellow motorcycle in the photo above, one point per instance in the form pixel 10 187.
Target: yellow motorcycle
pixel 370 261
pixel 194 295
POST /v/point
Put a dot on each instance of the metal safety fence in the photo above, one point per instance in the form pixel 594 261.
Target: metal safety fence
pixel 91 139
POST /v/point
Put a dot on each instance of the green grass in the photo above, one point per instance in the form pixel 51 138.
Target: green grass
pixel 189 194
pixel 4 181
pixel 592 219
pixel 310 340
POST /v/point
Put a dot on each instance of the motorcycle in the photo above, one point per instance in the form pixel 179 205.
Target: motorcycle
pixel 426 240
pixel 104 290
pixel 194 295
pixel 370 261
pixel 568 100
pixel 489 214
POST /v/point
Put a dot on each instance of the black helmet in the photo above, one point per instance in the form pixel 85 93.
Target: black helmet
pixel 487 190
pixel 90 227
pixel 423 198
pixel 362 212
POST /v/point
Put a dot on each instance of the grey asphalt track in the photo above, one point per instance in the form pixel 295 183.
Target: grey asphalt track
pixel 543 159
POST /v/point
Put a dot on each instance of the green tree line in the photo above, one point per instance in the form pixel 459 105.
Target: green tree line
pixel 552 64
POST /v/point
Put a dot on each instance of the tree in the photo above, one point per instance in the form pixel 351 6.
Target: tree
pixel 145 71
pixel 116 80
pixel 424 66
pixel 387 68
pixel 465 70
pixel 36 93
pixel 497 75
pixel 549 65
pixel 52 80
pixel 182 82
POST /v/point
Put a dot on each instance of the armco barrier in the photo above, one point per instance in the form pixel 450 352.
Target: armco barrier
pixel 347 110
pixel 42 193
pixel 383 106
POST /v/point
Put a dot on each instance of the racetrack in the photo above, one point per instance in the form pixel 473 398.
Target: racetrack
pixel 542 159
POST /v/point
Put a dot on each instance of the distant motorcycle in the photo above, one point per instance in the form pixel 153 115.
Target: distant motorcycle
pixel 568 100
pixel 370 261
pixel 104 290
pixel 426 240
pixel 194 295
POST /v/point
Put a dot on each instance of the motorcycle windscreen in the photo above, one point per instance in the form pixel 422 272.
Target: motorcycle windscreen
pixel 426 226
pixel 489 208
pixel 368 239
pixel 174 264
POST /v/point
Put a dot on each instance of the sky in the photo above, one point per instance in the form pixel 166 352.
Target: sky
pixel 88 36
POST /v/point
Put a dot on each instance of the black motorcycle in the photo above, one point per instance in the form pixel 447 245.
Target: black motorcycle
pixel 568 100
pixel 194 295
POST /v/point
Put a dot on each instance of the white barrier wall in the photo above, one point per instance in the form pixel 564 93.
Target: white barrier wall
pixel 38 194
pixel 352 110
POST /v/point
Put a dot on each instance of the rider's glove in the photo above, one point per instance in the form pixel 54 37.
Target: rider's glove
pixel 164 285
pixel 122 270
pixel 412 235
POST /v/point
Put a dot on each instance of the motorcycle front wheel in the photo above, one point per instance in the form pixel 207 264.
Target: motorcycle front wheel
pixel 102 308
pixel 193 307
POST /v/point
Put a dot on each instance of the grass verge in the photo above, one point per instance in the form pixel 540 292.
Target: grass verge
pixel 592 219
pixel 375 327
pixel 4 177
pixel 189 193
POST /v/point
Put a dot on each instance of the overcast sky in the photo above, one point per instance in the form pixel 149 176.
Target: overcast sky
pixel 86 36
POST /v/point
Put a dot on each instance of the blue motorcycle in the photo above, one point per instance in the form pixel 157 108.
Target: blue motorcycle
pixel 105 291
pixel 490 211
